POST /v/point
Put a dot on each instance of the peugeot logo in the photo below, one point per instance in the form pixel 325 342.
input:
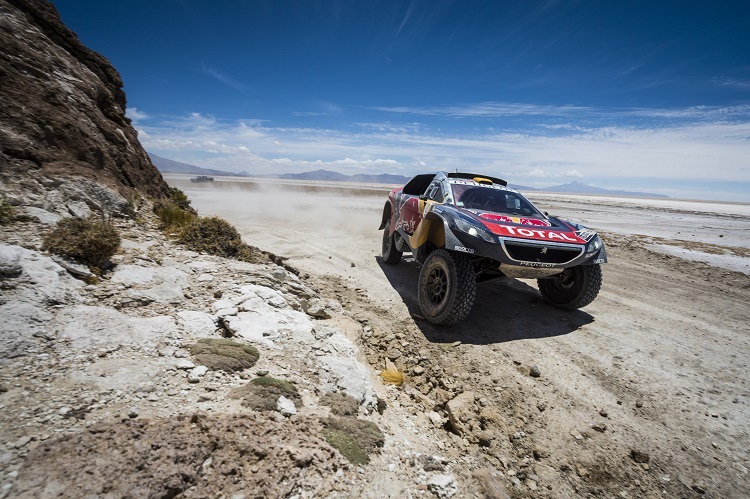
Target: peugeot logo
pixel 544 251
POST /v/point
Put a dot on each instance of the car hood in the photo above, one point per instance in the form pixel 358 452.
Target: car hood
pixel 550 229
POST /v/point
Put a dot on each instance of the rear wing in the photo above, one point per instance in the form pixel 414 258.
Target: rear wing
pixel 476 176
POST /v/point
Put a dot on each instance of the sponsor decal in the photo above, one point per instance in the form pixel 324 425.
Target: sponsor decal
pixel 464 249
pixel 537 264
pixel 546 235
pixel 534 222
pixel 600 260
pixel 586 234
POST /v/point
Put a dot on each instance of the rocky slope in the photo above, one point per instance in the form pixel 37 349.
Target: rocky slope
pixel 62 117
pixel 100 394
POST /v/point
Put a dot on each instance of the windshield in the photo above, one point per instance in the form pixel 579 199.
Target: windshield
pixel 472 197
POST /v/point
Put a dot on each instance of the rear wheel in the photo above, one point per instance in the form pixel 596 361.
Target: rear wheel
pixel 391 254
pixel 574 288
pixel 447 287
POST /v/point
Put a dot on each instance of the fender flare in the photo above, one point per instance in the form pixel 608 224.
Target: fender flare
pixel 386 216
pixel 439 234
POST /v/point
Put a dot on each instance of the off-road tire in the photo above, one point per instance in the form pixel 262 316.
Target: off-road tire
pixel 447 287
pixel 574 288
pixel 391 255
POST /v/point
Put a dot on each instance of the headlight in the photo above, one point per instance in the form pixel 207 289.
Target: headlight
pixel 594 245
pixel 473 229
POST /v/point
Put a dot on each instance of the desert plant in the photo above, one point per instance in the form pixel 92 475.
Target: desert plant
pixel 285 386
pixel 172 216
pixel 392 376
pixel 355 439
pixel 180 199
pixel 212 235
pixel 86 240
pixel 262 394
pixel 225 355
pixel 341 404
pixel 7 211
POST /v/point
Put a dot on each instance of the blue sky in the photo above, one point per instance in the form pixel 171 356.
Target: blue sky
pixel 650 96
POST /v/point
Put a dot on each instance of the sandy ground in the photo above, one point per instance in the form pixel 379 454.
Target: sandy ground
pixel 644 393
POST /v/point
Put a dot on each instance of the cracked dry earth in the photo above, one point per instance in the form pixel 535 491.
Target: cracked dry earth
pixel 644 393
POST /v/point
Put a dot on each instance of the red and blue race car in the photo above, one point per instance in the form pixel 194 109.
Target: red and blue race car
pixel 465 228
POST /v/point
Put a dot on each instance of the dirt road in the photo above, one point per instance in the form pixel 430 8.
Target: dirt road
pixel 644 393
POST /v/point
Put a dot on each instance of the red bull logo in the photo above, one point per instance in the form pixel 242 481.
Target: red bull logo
pixel 534 222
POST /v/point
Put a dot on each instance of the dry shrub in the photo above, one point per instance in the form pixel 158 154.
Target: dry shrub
pixel 180 199
pixel 7 212
pixel 224 355
pixel 172 216
pixel 285 386
pixel 392 376
pixel 86 240
pixel 262 394
pixel 212 235
pixel 355 439
pixel 341 404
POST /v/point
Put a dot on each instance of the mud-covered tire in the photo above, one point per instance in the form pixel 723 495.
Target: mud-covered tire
pixel 447 287
pixel 574 288
pixel 391 255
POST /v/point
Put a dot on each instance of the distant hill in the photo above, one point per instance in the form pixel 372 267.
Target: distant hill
pixel 169 166
pixel 581 188
pixel 325 175
pixel 165 165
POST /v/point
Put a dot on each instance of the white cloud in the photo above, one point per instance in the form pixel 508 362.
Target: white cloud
pixel 134 114
pixel 698 150
pixel 487 109
pixel 223 78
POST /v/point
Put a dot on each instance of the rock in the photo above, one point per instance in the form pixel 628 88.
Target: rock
pixel 639 456
pixel 316 308
pixel 393 354
pixel 21 442
pixel 639 403
pixel 196 373
pixel 540 452
pixel 460 409
pixel 76 269
pixel 485 438
pixel 183 364
pixel 133 412
pixel 443 486
pixel 435 418
pixel 196 324
pixel 84 135
pixel 491 486
pixel 430 463
pixel 534 372
pixel 600 427
pixel 603 413
pixel 286 407
pixel 10 261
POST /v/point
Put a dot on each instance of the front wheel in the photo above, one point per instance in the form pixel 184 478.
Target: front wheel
pixel 574 288
pixel 391 254
pixel 447 287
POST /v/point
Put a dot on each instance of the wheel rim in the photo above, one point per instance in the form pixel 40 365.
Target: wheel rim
pixel 566 280
pixel 437 286
pixel 386 241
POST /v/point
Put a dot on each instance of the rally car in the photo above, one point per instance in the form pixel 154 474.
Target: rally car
pixel 465 228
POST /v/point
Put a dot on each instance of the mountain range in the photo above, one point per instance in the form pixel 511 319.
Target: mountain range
pixel 165 165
